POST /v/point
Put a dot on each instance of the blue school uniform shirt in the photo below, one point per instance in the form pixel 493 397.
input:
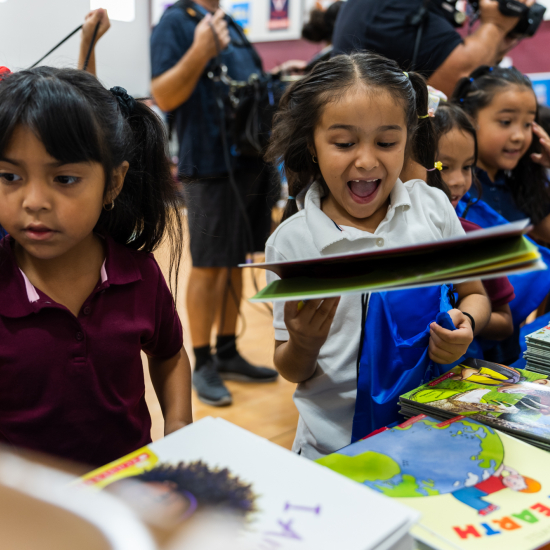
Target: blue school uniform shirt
pixel 499 196
pixel 198 119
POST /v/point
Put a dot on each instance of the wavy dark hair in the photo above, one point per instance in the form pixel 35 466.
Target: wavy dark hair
pixel 211 487
pixel 302 105
pixel 527 181
pixel 447 118
pixel 320 26
pixel 79 120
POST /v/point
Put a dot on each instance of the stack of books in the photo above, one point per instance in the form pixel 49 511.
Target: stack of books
pixel 538 351
pixel 475 487
pixel 515 401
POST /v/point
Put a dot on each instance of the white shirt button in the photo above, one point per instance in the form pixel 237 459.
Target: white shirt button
pixel 379 242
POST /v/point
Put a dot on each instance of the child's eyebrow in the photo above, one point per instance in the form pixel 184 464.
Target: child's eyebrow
pixel 15 162
pixel 351 127
pixel 515 111
pixel 10 161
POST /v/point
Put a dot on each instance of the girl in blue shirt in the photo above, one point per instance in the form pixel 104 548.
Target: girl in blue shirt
pixel 503 104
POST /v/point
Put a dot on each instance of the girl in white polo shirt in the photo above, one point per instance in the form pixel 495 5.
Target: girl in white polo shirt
pixel 345 131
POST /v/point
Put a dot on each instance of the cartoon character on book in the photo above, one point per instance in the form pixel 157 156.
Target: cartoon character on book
pixel 536 400
pixel 486 373
pixel 504 478
pixel 462 402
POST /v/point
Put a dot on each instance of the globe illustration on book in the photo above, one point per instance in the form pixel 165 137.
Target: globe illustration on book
pixel 422 459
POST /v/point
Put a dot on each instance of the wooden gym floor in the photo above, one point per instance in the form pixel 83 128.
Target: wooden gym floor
pixel 264 409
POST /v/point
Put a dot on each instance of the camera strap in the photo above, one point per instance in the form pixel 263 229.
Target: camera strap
pixel 88 55
pixel 417 19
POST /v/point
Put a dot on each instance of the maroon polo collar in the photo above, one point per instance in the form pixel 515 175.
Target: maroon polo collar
pixel 120 265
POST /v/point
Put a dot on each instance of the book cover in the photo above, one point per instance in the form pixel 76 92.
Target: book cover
pixel 484 253
pixel 475 487
pixel 283 500
pixel 330 265
pixel 513 400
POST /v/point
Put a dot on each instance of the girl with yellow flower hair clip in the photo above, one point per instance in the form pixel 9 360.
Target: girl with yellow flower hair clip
pixel 455 161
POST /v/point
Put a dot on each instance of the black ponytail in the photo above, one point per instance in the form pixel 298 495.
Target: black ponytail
pixel 78 120
pixel 302 104
pixel 148 207
pixel 424 141
pixel 527 182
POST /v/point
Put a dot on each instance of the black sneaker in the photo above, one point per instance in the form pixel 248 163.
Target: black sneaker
pixel 239 369
pixel 210 387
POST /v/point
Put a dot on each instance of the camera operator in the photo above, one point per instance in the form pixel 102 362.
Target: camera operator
pixel 443 56
pixel 184 48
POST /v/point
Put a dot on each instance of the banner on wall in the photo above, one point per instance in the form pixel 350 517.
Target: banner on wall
pixel 240 12
pixel 278 15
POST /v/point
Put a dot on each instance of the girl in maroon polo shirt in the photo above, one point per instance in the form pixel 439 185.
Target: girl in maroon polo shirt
pixel 456 156
pixel 85 195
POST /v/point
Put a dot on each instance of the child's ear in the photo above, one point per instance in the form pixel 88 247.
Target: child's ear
pixel 117 182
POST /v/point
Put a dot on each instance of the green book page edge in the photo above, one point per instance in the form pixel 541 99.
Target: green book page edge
pixel 443 267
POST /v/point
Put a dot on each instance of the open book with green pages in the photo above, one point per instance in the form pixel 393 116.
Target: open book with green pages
pixel 476 488
pixel 278 499
pixel 515 401
pixel 485 254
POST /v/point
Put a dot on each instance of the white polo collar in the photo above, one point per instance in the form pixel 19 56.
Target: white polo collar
pixel 325 232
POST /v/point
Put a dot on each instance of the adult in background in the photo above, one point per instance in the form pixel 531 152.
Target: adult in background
pixel 444 56
pixel 183 47
pixel 320 28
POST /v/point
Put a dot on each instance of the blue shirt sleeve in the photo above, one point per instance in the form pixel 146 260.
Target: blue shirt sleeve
pixel 171 38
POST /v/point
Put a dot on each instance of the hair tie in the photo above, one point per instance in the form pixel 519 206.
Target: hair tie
pixel 461 100
pixel 471 79
pixel 437 166
pixel 431 114
pixel 406 74
pixel 491 69
pixel 126 102
pixel 291 198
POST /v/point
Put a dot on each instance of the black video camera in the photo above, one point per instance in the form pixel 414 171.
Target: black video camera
pixel 530 18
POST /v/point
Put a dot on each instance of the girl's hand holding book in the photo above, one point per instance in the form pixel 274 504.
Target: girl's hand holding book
pixel 308 324
pixel 447 346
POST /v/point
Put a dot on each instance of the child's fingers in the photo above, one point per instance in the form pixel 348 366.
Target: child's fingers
pixel 439 356
pixel 540 131
pixel 543 159
pixel 309 309
pixel 442 352
pixel 329 306
pixel 446 348
pixel 292 309
pixel 321 313
pixel 462 335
